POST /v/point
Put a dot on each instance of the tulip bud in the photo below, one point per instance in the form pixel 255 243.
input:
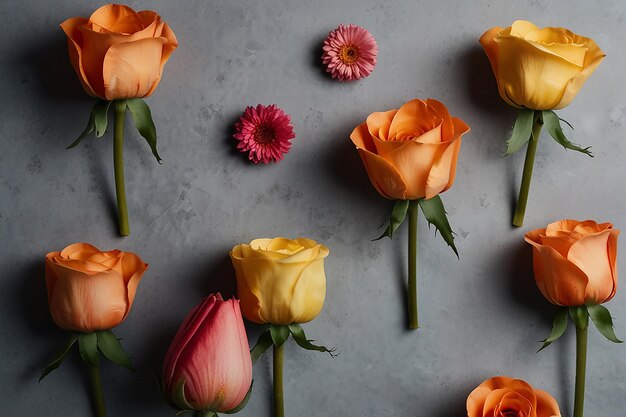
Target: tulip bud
pixel 208 365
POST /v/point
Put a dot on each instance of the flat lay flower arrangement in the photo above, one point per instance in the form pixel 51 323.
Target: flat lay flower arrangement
pixel 409 153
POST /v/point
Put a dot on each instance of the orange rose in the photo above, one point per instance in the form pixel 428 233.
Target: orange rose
pixel 90 290
pixel 410 153
pixel 502 396
pixel 118 53
pixel 574 262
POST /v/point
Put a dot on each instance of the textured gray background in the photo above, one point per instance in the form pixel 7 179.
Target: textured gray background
pixel 480 316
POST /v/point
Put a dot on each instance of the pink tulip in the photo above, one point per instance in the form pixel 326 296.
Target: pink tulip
pixel 210 355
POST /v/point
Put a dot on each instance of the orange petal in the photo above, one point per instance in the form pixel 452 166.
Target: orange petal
pixel 378 123
pixel 384 177
pixel 413 162
pixel 132 264
pixel 362 139
pixel 590 254
pixel 117 18
pixel 612 248
pixel 559 280
pixel 440 177
pixel 74 41
pixel 86 303
pixel 414 116
pixel 546 405
pixel 168 48
pixel 131 69
pixel 448 128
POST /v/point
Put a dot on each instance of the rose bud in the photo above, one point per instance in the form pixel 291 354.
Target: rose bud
pixel 91 290
pixel 280 281
pixel 410 153
pixel 503 396
pixel 539 69
pixel 208 365
pixel 118 53
pixel 575 262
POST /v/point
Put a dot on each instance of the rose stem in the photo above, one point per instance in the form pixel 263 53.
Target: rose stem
pixel 96 388
pixel 279 401
pixel 581 365
pixel 412 288
pixel 520 209
pixel 118 163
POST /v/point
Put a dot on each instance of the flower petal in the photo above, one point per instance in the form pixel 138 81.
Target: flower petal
pixel 383 176
pixel 131 69
pixel 378 123
pixel 590 254
pixel 546 405
pixel 74 42
pixel 117 18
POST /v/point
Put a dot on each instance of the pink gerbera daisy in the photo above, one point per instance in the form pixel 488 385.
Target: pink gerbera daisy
pixel 349 53
pixel 265 133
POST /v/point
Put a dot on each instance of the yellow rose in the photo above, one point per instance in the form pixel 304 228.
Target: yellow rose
pixel 540 69
pixel 280 281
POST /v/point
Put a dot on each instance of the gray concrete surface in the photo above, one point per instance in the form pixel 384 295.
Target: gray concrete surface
pixel 481 316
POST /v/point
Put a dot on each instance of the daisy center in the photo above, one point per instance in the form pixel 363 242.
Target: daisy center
pixel 349 54
pixel 264 134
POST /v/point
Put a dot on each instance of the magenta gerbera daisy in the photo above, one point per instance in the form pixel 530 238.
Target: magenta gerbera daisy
pixel 349 53
pixel 265 133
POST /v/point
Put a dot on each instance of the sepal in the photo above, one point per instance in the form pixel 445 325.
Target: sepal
pixel 601 317
pixel 58 360
pixel 298 335
pixel 398 214
pixel 552 124
pixel 279 333
pixel 580 316
pixel 88 348
pixel 558 328
pixel 522 130
pixel 435 213
pixel 263 344
pixel 98 120
pixel 142 117
pixel 110 346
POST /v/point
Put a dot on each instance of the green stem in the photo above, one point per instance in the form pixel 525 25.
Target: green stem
pixel 412 288
pixel 279 400
pixel 581 366
pixel 118 163
pixel 520 209
pixel 96 389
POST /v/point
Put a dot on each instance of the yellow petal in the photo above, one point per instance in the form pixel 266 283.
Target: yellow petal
pixel 520 28
pixel 309 293
pixel 593 58
pixel 131 69
pixel 530 76
pixel 488 42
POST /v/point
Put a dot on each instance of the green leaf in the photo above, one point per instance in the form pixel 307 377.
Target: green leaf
pixel 111 348
pixel 522 130
pixel 179 396
pixel 91 126
pixel 100 113
pixel 398 214
pixel 142 117
pixel 601 317
pixel 243 402
pixel 558 328
pixel 553 125
pixel 279 333
pixel 58 360
pixel 580 316
pixel 435 213
pixel 88 347
pixel 300 338
pixel 264 343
